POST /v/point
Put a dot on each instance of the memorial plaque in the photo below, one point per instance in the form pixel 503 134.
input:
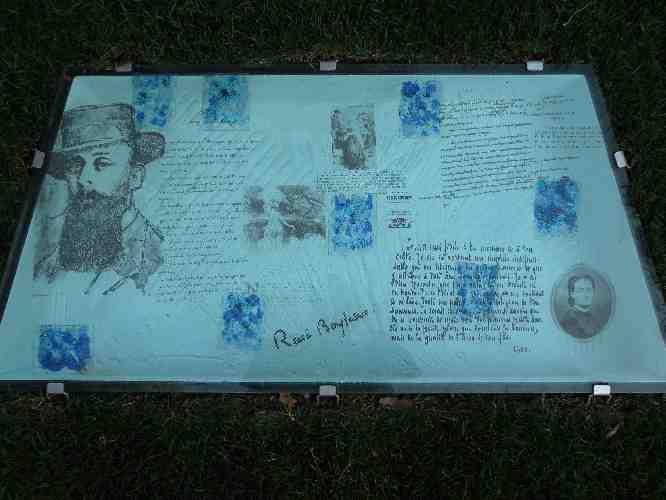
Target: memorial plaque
pixel 377 229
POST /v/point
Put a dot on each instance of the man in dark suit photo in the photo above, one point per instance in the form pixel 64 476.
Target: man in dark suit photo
pixel 581 320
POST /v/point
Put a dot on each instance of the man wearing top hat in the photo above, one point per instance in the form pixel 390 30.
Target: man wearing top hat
pixel 88 222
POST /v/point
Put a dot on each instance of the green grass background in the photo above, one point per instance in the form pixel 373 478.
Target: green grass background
pixel 462 447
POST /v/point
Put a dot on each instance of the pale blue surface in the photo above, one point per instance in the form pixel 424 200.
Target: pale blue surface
pixel 300 282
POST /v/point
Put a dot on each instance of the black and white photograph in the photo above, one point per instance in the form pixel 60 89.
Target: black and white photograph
pixel 353 136
pixel 582 302
pixel 275 217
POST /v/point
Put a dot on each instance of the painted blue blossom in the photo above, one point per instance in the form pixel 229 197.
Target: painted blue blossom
pixel 410 89
pixel 152 100
pixel 351 221
pixel 475 286
pixel 420 109
pixel 555 206
pixel 64 347
pixel 243 321
pixel 226 101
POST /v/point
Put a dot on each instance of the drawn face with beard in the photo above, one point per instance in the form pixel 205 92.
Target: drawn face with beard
pixel 100 181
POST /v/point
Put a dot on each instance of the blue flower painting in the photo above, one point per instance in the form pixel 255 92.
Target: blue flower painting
pixel 351 221
pixel 64 347
pixel 226 101
pixel 243 321
pixel 555 206
pixel 475 286
pixel 152 97
pixel 420 109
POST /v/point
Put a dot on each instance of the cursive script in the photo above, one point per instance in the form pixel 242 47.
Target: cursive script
pixel 337 326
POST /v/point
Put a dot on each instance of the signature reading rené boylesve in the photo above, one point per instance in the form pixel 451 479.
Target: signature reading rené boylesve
pixel 282 339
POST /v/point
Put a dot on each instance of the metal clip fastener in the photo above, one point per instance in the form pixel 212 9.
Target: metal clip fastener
pixel 328 65
pixel 534 65
pixel 38 159
pixel 620 160
pixel 123 68
pixel 56 389
pixel 328 392
pixel 601 390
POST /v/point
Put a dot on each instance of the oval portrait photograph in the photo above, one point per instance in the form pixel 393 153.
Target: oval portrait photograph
pixel 582 302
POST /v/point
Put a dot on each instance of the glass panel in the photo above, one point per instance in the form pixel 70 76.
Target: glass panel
pixel 389 230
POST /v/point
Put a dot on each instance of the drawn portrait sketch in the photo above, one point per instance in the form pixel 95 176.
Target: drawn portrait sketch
pixel 582 302
pixel 86 218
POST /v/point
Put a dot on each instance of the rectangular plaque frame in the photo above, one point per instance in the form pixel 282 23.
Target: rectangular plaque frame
pixel 621 177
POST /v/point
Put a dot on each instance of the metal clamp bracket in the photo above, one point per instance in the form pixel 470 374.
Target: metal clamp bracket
pixel 123 68
pixel 328 65
pixel 534 65
pixel 328 392
pixel 601 390
pixel 38 159
pixel 621 160
pixel 56 389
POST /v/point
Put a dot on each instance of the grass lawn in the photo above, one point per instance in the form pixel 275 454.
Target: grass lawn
pixel 463 446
